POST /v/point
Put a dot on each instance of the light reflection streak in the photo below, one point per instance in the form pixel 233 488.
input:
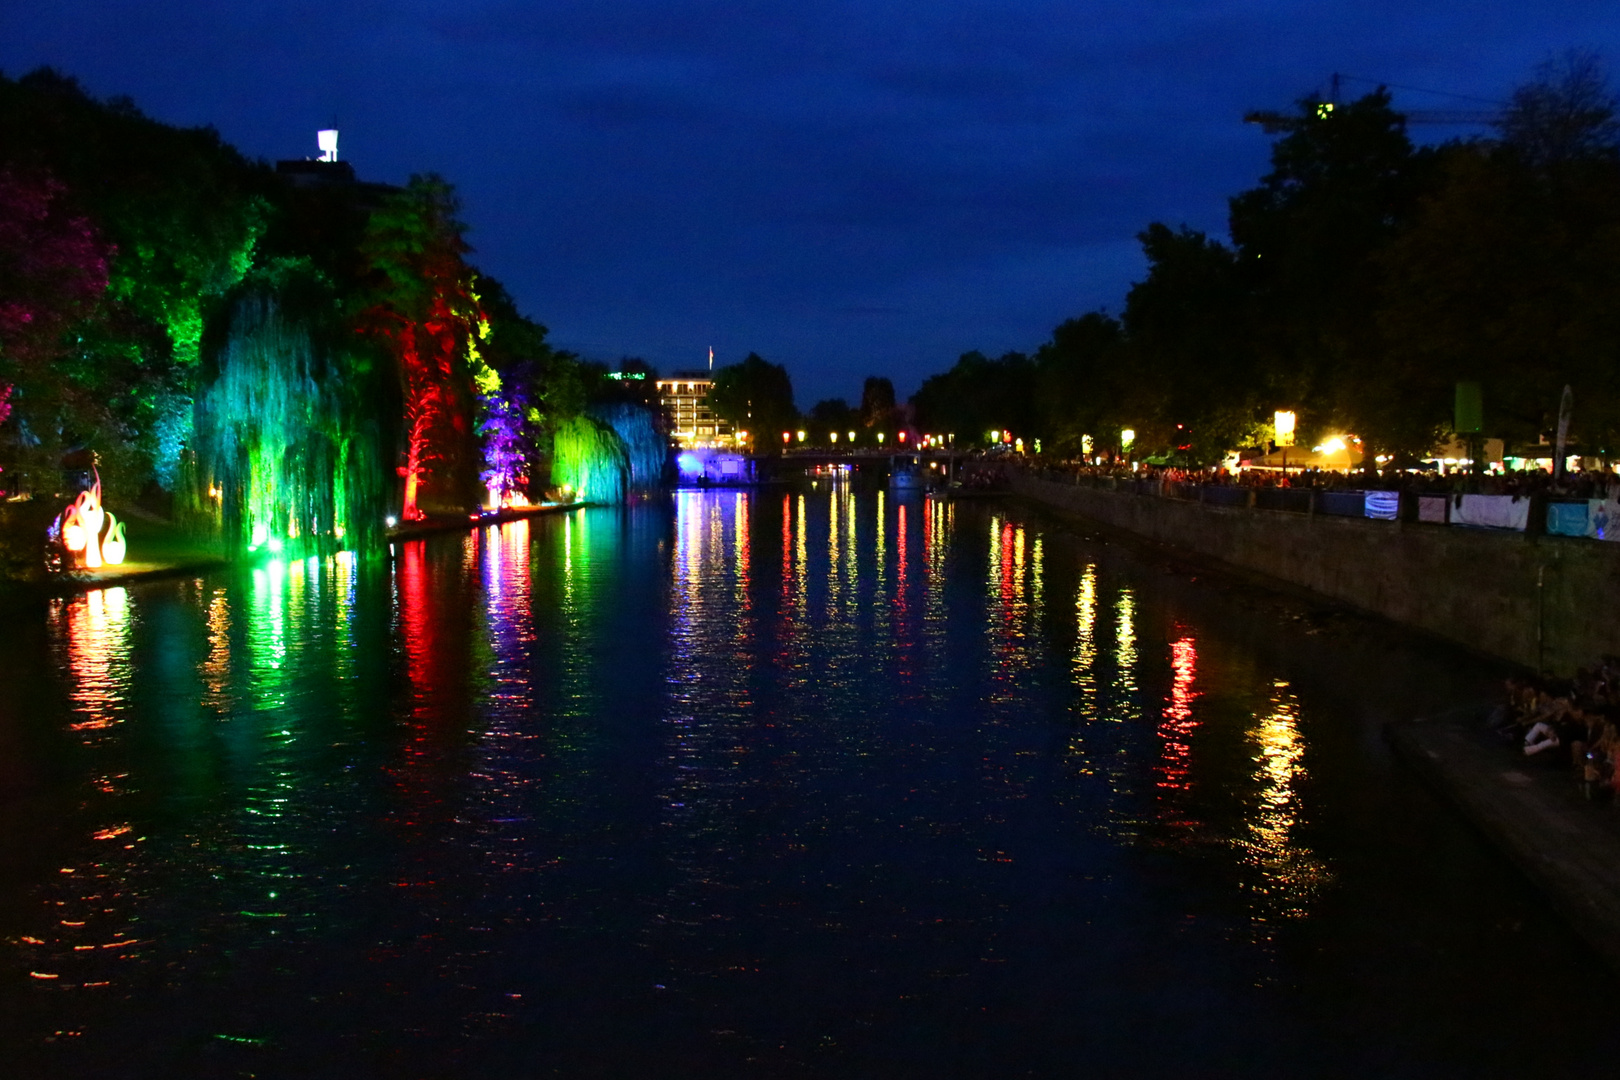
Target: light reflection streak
pixel 497 783
pixel 742 546
pixel 1085 643
pixel 851 554
pixel 1173 769
pixel 85 935
pixel 834 592
pixel 707 700
pixel 1013 622
pixel 216 668
pixel 801 558
pixel 787 551
pixel 1125 658
pixel 881 557
pixel 1290 874
pixel 902 580
pixel 937 528
pixel 95 644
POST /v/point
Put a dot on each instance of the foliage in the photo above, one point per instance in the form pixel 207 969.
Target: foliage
pixel 1567 113
pixel 646 447
pixel 183 210
pixel 287 450
pixel 830 415
pixel 755 396
pixel 978 395
pixel 1080 384
pixel 1363 280
pixel 422 302
pixel 877 404
pixel 198 326
pixel 589 460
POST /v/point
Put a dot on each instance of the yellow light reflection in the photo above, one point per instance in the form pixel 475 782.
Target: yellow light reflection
pixel 1085 642
pixel 1290 874
pixel 1125 641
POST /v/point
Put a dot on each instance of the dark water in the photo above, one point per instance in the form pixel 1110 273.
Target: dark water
pixel 815 783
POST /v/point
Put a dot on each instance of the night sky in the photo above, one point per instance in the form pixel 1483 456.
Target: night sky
pixel 847 189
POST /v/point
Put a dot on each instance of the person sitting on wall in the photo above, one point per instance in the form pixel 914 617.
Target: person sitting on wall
pixel 1541 737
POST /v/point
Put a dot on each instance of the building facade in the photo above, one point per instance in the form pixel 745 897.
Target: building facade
pixel 684 398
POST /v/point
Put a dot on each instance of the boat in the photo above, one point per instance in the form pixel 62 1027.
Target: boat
pixel 906 473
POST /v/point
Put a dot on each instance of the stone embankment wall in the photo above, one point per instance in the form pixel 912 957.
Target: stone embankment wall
pixel 1547 602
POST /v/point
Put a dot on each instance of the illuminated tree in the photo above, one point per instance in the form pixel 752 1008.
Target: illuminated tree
pixel 289 425
pixel 53 276
pixel 422 300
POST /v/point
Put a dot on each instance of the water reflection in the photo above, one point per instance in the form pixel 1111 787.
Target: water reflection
pixel 747 732
pixel 88 930
pixel 1177 724
pixel 1290 876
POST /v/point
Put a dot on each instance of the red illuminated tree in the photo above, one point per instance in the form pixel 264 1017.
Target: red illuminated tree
pixel 421 301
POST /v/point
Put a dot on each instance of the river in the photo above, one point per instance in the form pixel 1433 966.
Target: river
pixel 797 782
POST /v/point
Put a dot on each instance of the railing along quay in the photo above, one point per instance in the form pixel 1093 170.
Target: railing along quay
pixel 1535 514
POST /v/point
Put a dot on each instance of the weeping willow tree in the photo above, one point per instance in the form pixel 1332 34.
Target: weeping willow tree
pixel 589 460
pixel 644 445
pixel 287 447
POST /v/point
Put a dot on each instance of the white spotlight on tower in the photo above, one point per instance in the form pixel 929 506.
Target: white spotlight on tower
pixel 327 141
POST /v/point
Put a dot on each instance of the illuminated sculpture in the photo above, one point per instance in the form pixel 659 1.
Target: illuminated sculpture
pixel 80 528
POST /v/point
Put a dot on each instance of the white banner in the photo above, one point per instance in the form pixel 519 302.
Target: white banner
pixel 1490 511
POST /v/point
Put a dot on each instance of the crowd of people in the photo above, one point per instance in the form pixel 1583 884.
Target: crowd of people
pixel 1580 484
pixel 1569 724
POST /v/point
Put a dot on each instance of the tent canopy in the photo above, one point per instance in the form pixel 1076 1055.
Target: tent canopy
pixel 1303 457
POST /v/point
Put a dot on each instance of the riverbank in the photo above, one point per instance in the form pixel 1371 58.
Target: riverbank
pixel 160 549
pixel 1533 812
pixel 432 526
pixel 1544 603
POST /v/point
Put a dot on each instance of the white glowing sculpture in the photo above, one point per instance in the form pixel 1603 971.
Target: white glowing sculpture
pixel 327 141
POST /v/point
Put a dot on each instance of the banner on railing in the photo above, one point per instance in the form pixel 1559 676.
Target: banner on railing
pixel 1383 505
pixel 1603 519
pixel 1567 519
pixel 1490 511
pixel 1432 508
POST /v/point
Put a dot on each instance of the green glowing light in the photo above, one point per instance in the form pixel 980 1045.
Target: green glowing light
pixel 286 453
pixel 588 458
pixel 245 1040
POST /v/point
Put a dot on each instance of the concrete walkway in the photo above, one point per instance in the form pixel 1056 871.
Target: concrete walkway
pixel 1532 810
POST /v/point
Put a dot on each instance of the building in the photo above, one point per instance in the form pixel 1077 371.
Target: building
pixel 684 398
pixel 327 173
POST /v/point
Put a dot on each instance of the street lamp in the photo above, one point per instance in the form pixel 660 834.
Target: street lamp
pixel 1283 420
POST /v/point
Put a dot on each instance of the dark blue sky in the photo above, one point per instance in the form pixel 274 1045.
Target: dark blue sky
pixel 845 188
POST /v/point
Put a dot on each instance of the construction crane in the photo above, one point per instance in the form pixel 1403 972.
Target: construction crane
pixel 1273 122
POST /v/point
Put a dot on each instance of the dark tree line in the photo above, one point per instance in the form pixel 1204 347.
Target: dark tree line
pixel 1363 279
